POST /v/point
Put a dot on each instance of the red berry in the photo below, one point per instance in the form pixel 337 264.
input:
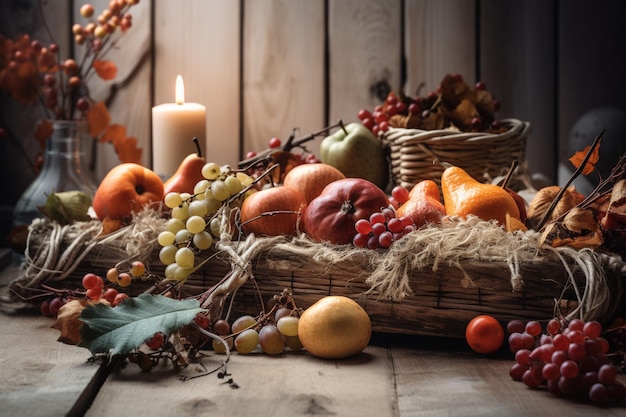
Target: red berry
pixel 202 321
pixel 156 341
pixel 44 308
pixel 364 114
pixel 119 298
pixel 369 123
pixel 414 108
pixel 274 143
pixel 110 294
pixel 55 304
pixel 90 280
pixel 94 293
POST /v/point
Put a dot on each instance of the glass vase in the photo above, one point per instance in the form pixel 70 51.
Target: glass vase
pixel 64 169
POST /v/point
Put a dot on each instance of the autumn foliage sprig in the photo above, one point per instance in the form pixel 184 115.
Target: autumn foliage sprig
pixel 32 73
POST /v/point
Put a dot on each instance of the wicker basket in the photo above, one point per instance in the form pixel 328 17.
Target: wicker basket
pixel 438 298
pixel 417 155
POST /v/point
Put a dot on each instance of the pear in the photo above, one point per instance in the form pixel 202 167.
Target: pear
pixel 463 195
pixel 188 174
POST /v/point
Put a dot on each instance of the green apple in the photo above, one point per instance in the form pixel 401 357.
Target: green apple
pixel 356 152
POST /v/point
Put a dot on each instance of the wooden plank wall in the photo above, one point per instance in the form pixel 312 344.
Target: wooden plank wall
pixel 265 67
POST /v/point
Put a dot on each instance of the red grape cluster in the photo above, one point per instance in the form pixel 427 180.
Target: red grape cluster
pixel 381 229
pixel 569 359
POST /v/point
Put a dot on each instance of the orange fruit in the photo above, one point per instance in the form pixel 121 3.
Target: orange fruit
pixel 484 334
pixel 334 327
pixel 127 188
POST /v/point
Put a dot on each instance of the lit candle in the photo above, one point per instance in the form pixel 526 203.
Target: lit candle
pixel 174 125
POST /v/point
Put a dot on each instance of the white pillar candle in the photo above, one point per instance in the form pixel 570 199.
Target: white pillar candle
pixel 174 125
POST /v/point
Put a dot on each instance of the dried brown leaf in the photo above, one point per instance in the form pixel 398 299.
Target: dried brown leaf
pixel 68 322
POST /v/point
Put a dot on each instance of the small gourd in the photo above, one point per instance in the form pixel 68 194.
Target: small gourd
pixel 463 195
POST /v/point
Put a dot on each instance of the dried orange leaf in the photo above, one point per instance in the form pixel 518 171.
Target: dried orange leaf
pixel 68 322
pixel 113 133
pixel 512 224
pixel 43 130
pixel 98 118
pixel 127 150
pixel 109 226
pixel 107 70
pixel 578 158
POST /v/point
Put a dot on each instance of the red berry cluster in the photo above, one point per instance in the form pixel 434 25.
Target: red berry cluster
pixel 437 109
pixel 569 359
pixel 378 120
pixel 381 229
pixel 95 290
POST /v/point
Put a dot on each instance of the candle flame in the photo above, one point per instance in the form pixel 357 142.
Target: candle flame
pixel 180 90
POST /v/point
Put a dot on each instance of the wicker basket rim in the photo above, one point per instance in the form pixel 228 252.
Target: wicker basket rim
pixel 399 136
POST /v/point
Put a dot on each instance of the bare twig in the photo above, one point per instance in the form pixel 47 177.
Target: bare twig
pixel 571 179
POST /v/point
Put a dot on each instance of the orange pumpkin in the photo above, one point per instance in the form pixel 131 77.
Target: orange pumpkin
pixel 272 211
pixel 125 189
pixel 310 179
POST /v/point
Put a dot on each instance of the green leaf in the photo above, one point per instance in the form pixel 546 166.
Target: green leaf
pixel 66 207
pixel 119 330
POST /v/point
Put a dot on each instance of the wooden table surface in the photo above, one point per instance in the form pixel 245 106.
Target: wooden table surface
pixel 397 375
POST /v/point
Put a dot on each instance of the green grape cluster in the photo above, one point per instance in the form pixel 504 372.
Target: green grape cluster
pixel 196 219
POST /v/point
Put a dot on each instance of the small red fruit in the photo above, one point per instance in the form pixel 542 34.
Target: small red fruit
pixel 484 334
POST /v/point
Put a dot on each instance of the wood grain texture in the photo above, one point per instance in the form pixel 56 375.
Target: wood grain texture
pixel 40 376
pixel 283 70
pixel 440 378
pixel 440 38
pixel 291 384
pixel 128 94
pixel 517 61
pixel 200 40
pixel 364 41
pixel 590 74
